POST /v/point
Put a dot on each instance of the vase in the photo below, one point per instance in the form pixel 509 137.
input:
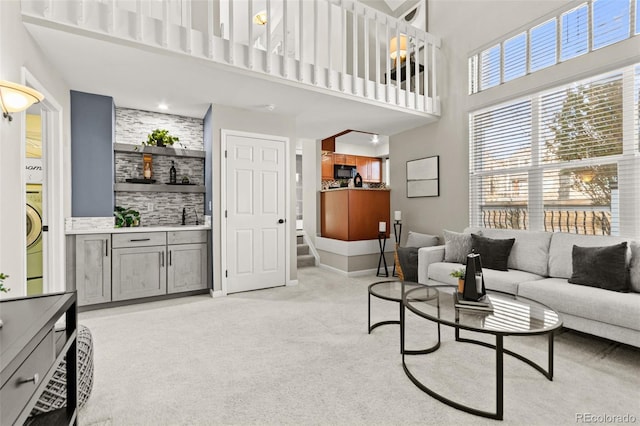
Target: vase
pixel 460 285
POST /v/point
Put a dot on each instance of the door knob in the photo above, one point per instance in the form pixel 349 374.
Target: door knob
pixel 281 221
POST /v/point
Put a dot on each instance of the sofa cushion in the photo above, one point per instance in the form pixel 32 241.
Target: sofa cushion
pixel 494 253
pixel 560 250
pixel 634 266
pixel 416 239
pixel 603 267
pixel 530 252
pixel 611 307
pixel 506 281
pixel 456 246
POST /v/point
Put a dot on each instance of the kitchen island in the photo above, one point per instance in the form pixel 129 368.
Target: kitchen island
pixel 353 214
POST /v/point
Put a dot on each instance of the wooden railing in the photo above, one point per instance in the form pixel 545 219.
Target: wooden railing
pixel 592 221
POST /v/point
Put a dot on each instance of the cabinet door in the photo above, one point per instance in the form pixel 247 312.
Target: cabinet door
pixel 350 160
pixel 375 170
pixel 139 272
pixel 363 167
pixel 327 166
pixel 93 269
pixel 339 159
pixel 187 267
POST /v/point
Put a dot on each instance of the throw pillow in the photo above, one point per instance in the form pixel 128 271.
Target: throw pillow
pixel 602 267
pixel 634 266
pixel 408 258
pixel 416 239
pixel 494 254
pixel 456 246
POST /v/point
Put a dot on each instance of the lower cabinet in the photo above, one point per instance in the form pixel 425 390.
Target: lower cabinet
pixel 139 272
pixel 187 267
pixel 93 268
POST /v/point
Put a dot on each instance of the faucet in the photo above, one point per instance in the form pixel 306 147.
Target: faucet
pixel 184 216
pixel 196 213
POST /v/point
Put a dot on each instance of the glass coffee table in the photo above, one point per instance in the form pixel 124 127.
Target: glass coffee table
pixel 511 316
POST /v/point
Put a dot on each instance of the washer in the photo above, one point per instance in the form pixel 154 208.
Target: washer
pixel 34 239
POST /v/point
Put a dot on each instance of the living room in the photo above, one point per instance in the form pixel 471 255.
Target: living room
pixel 299 354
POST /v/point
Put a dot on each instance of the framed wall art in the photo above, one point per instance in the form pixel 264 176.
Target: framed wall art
pixel 423 177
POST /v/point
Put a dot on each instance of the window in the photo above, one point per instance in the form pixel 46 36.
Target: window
pixel 543 45
pixel 574 33
pixel 560 160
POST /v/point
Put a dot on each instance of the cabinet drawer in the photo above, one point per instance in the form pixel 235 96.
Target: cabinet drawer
pixel 15 394
pixel 186 237
pixel 139 239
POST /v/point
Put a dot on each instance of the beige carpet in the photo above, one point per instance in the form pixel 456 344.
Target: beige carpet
pixel 301 355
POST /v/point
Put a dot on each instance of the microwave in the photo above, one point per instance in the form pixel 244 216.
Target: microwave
pixel 344 172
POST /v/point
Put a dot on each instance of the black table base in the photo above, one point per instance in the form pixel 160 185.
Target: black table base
pixel 382 242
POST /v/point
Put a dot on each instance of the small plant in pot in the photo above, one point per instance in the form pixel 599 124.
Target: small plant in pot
pixel 126 217
pixel 160 137
pixel 459 274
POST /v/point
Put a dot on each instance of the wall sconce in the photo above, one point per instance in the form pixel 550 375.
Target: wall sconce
pixel 260 18
pixel 394 48
pixel 16 97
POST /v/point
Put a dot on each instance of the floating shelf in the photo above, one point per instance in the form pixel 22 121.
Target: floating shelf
pixel 157 187
pixel 155 150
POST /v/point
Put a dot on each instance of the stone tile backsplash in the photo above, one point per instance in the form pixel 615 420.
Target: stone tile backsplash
pixel 167 207
pixel 133 126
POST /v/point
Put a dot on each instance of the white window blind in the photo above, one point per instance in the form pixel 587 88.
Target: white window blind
pixel 515 57
pixel 574 32
pixel 565 159
pixel 610 21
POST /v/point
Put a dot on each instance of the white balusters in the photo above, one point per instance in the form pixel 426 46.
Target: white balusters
pixel 268 36
pixel 231 31
pixel 285 45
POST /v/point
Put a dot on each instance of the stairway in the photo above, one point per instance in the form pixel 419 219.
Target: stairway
pixel 304 258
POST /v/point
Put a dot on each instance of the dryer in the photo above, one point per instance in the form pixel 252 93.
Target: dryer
pixel 34 239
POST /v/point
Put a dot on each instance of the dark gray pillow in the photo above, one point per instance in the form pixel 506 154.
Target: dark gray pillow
pixel 408 258
pixel 602 267
pixel 494 254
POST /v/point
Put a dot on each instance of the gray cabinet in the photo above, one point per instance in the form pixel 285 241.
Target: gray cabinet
pixel 93 268
pixel 139 265
pixel 187 261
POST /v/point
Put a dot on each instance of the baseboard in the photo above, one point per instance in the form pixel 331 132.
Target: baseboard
pixel 292 283
pixel 216 293
pixel 361 273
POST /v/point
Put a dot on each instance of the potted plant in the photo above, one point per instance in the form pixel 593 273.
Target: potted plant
pixel 459 274
pixel 126 217
pixel 160 137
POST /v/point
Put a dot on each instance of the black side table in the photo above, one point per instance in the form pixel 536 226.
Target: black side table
pixel 397 232
pixel 382 242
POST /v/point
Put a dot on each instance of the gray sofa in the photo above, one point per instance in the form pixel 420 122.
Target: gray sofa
pixel 539 266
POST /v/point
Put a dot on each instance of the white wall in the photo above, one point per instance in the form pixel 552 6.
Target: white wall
pixel 463 32
pixel 230 118
pixel 19 50
pixel 310 186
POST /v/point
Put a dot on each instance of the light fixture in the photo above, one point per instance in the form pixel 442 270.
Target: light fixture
pixel 394 48
pixel 163 106
pixel 260 18
pixel 375 139
pixel 16 97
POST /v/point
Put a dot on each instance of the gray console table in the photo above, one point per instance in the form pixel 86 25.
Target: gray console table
pixel 31 350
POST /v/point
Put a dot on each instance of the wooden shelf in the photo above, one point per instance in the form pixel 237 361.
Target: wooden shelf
pixel 157 187
pixel 175 152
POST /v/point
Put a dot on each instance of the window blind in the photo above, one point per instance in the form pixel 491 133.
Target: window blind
pixel 566 159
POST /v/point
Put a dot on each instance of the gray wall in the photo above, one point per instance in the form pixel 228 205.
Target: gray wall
pixel 208 158
pixel 448 137
pixel 91 155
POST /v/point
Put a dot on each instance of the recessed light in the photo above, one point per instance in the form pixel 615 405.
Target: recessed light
pixel 375 139
pixel 270 107
pixel 260 18
pixel 163 106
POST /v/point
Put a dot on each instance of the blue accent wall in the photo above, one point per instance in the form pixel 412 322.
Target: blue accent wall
pixel 92 165
pixel 208 159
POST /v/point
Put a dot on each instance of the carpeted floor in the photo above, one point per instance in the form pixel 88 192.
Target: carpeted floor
pixel 301 355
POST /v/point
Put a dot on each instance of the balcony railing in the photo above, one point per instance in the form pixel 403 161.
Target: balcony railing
pixel 340 46
pixel 578 220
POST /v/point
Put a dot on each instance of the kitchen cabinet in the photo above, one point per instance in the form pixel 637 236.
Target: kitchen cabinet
pixel 327 166
pixel 139 265
pixel 353 214
pixel 370 168
pixel 93 268
pixel 187 261
pixel 344 159
pixel 363 166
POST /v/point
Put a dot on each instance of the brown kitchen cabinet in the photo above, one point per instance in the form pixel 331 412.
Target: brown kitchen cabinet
pixel 370 169
pixel 353 214
pixel 327 166
pixel 344 159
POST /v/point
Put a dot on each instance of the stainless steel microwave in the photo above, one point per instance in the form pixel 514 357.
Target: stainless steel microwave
pixel 344 172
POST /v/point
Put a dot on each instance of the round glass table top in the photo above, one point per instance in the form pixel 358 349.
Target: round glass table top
pixel 511 314
pixel 392 289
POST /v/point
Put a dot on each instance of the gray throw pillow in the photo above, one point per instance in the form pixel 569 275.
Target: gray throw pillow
pixel 408 258
pixel 416 239
pixel 494 253
pixel 456 246
pixel 634 266
pixel 602 267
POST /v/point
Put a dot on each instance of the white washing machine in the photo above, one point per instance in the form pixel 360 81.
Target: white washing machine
pixel 34 239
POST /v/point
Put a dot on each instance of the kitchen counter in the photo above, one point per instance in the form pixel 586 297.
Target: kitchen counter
pixel 353 214
pixel 355 189
pixel 134 229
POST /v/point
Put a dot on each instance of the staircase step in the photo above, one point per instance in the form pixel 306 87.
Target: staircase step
pixel 306 260
pixel 303 249
pixel 300 239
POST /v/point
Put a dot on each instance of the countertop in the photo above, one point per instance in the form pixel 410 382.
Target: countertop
pixel 134 229
pixel 356 189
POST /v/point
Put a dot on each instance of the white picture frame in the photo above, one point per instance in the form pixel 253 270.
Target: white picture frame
pixel 423 177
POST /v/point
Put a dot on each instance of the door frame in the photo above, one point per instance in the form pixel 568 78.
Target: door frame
pixel 53 241
pixel 224 133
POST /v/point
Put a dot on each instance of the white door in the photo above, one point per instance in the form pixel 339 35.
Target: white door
pixel 255 212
